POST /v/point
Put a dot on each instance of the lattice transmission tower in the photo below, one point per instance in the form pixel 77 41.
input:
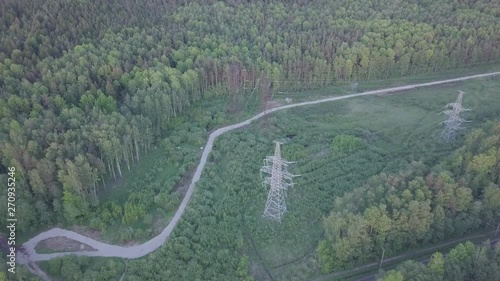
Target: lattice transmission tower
pixel 454 121
pixel 279 181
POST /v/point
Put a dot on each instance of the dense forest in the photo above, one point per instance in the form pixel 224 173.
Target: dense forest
pixel 87 87
pixel 464 262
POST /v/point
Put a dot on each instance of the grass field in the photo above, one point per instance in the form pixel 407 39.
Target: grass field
pixel 396 130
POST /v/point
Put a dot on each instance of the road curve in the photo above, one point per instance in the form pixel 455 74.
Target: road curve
pixel 107 250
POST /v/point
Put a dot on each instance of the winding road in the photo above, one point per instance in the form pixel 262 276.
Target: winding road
pixel 107 250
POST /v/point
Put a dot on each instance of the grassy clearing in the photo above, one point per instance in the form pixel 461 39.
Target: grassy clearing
pixel 396 130
pixel 119 189
pixel 61 244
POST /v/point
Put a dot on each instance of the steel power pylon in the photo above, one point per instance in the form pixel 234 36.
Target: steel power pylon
pixel 279 181
pixel 454 121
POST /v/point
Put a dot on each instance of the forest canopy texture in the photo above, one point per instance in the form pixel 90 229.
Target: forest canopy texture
pixel 464 262
pixel 87 86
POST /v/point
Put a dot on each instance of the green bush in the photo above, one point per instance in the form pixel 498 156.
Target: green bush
pixel 346 144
